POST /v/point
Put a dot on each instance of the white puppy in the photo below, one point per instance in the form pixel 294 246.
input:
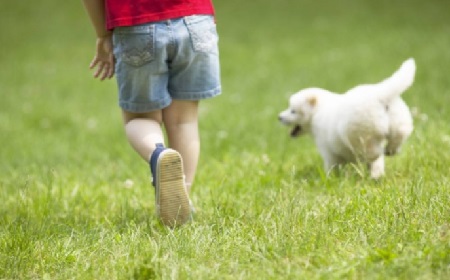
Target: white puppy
pixel 362 125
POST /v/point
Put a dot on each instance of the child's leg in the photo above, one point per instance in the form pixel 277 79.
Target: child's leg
pixel 172 200
pixel 144 131
pixel 181 123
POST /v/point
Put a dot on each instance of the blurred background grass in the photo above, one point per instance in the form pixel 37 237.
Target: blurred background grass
pixel 53 113
pixel 269 49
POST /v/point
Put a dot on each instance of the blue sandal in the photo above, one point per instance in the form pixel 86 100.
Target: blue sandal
pixel 172 200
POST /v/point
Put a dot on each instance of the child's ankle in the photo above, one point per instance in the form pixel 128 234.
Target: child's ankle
pixel 188 187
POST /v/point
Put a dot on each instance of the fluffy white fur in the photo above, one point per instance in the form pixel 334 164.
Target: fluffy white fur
pixel 362 125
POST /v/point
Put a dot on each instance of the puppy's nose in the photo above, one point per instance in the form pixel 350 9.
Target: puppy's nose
pixel 280 118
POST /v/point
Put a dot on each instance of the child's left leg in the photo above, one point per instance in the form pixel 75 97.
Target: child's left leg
pixel 145 135
pixel 143 131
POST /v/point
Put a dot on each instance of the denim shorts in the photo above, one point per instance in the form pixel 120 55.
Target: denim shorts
pixel 161 61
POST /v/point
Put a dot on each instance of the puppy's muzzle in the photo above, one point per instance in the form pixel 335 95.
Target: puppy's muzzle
pixel 296 130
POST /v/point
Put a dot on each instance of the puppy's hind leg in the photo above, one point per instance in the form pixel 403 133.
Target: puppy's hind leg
pixel 377 167
pixel 400 127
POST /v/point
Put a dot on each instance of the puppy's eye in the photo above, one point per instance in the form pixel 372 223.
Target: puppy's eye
pixel 293 111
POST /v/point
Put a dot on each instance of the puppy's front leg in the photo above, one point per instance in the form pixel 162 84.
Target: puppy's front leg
pixel 377 167
pixel 330 162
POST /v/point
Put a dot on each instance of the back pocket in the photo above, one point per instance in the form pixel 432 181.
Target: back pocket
pixel 203 33
pixel 134 45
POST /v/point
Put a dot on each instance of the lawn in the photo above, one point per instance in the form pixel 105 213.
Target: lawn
pixel 76 202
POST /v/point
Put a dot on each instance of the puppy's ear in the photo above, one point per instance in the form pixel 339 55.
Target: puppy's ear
pixel 312 101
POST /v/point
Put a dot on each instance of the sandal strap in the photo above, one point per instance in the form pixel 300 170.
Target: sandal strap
pixel 154 160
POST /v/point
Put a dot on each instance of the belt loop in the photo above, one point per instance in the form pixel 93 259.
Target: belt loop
pixel 187 20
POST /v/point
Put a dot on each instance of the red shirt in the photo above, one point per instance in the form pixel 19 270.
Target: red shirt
pixel 133 12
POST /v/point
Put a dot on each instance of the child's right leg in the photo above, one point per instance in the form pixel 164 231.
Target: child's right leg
pixel 181 123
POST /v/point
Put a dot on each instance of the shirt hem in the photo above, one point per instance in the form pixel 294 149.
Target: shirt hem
pixel 129 21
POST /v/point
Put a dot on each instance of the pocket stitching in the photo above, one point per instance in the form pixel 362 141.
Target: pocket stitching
pixel 203 35
pixel 142 49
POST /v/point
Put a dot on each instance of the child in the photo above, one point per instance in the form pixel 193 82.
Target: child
pixel 164 54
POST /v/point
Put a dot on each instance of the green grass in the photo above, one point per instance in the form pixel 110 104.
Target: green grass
pixel 76 202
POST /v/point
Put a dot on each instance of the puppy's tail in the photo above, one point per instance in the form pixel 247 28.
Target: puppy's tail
pixel 398 83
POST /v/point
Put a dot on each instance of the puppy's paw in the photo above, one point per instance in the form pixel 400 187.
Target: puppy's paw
pixel 377 168
pixel 376 174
